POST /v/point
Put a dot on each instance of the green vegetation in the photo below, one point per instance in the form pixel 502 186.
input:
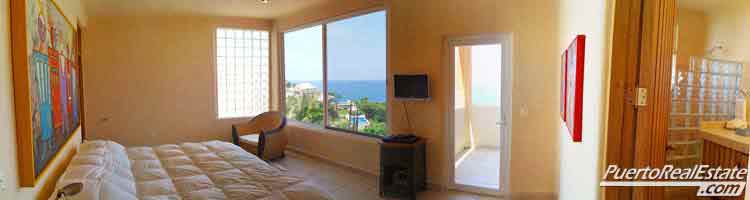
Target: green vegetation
pixel 375 113
pixel 307 107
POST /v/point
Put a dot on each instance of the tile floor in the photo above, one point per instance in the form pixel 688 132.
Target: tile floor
pixel 346 184
pixel 480 168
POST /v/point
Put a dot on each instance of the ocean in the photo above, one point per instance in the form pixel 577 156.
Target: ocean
pixel 374 90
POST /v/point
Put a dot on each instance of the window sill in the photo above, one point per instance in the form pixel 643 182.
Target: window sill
pixel 333 131
pixel 235 118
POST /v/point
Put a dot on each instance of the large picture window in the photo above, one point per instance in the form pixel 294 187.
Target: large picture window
pixel 242 72
pixel 346 61
pixel 303 64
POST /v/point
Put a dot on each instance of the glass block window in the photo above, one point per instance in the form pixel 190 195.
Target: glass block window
pixel 242 72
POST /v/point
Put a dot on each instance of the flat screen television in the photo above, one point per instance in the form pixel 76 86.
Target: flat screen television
pixel 411 86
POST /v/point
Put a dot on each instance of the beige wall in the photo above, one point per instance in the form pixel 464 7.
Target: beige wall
pixel 8 159
pixel 354 151
pixel 416 33
pixel 424 25
pixel 580 163
pixel 417 30
pixel 691 39
pixel 731 25
pixel 151 80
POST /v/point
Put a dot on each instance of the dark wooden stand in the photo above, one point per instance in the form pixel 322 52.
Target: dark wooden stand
pixel 402 169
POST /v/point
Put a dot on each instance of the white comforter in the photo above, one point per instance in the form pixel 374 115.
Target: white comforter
pixel 208 170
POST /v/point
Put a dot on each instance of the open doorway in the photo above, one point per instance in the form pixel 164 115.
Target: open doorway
pixel 476 130
pixel 690 54
pixel 480 106
pixel 709 78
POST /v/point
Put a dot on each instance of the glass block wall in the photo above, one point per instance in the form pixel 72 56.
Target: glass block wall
pixel 707 90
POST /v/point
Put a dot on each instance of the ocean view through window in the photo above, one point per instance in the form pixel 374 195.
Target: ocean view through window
pixel 303 61
pixel 355 74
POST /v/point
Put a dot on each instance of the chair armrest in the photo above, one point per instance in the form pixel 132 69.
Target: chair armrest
pixel 272 142
pixel 277 129
pixel 272 145
pixel 235 136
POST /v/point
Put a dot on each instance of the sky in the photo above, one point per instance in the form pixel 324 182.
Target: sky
pixel 356 50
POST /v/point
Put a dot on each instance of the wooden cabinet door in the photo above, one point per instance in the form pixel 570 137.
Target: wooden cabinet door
pixel 716 155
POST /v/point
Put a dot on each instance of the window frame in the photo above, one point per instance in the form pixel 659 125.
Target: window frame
pixel 324 24
pixel 215 69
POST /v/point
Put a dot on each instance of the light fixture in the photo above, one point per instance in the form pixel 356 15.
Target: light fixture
pixel 264 1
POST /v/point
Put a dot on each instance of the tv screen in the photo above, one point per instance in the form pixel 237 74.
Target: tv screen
pixel 411 86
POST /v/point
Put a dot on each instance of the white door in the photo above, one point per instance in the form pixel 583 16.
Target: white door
pixel 478 132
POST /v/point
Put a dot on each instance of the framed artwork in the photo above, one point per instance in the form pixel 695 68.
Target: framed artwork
pixel 574 87
pixel 46 66
pixel 563 80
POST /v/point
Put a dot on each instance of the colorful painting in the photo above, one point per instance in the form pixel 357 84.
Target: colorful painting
pixel 53 80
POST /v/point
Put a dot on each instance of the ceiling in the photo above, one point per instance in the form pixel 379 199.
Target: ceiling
pixel 708 5
pixel 238 8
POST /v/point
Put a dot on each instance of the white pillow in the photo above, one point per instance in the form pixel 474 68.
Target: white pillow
pixel 103 168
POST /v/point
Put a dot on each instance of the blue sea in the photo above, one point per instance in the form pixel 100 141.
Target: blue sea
pixel 374 90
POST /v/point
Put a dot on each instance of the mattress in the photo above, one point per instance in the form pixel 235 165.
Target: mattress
pixel 189 171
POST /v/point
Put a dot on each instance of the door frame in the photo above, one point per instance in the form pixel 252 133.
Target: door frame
pixel 626 37
pixel 642 44
pixel 506 42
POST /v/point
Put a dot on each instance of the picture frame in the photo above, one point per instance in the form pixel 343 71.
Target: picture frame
pixel 47 85
pixel 563 87
pixel 574 87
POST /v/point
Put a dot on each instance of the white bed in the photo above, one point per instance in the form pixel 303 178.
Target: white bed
pixel 190 171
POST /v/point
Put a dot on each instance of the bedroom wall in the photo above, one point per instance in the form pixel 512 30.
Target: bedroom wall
pixel 581 163
pixel 416 32
pixel 8 160
pixel 691 39
pixel 730 24
pixel 150 79
pixel 535 58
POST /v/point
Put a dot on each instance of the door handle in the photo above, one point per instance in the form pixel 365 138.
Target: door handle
pixel 501 123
